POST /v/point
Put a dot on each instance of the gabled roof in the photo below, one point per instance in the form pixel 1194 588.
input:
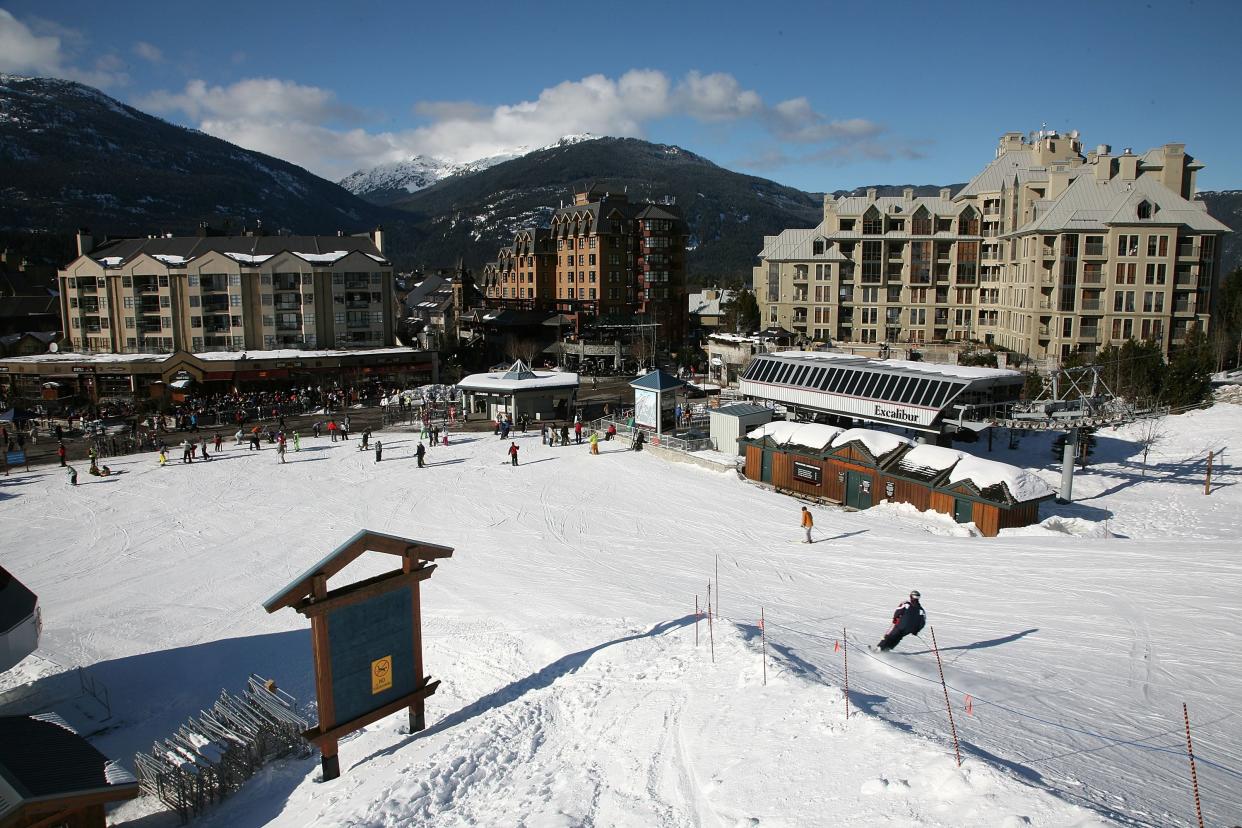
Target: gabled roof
pixel 178 250
pixel 1090 204
pixel 42 761
pixel 657 380
pixel 992 178
pixel 799 245
pixel 364 540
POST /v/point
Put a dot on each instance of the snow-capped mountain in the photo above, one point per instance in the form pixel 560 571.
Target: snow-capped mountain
pixel 385 183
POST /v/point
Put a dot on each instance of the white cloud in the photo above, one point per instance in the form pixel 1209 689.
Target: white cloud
pixel 311 127
pixel 23 51
pixel 148 52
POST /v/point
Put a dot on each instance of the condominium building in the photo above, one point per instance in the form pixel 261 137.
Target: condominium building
pixel 227 293
pixel 604 259
pixel 1045 252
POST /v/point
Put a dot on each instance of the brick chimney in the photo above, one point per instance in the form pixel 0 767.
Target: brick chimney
pixel 86 242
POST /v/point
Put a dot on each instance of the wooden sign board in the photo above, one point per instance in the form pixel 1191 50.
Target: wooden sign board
pixel 366 638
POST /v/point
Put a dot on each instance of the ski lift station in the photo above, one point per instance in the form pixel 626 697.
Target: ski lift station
pixel 927 398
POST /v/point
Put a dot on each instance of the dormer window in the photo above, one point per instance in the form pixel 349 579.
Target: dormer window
pixel 817 247
pixel 1144 210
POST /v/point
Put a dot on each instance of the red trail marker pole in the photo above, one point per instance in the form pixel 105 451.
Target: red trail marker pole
pixel 952 727
pixel 1194 776
pixel 845 643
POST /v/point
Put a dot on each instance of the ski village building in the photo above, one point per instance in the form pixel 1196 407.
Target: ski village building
pixel 1044 252
pixel 228 312
pixel 605 259
pixel 914 406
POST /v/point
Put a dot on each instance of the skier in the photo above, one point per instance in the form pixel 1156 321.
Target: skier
pixel 202 448
pixel 332 430
pixel 73 475
pixel 280 449
pixel 640 437
pixel 808 523
pixel 366 439
pixel 238 435
pixel 513 452
pixel 420 453
pixel 908 619
pixel 316 428
pixel 379 451
pixel 219 442
pixel 594 442
pixel 163 456
pixel 578 431
pixel 185 452
pixel 297 442
pixel 60 450
pixel 564 434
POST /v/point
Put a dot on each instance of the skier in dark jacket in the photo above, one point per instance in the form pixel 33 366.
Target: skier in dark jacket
pixel 908 619
pixel 420 453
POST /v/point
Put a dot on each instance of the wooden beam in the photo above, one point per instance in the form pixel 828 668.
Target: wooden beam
pixel 363 590
pixel 318 735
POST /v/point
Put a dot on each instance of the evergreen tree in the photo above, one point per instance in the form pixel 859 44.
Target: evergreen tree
pixel 1189 378
pixel 1228 320
pixel 740 314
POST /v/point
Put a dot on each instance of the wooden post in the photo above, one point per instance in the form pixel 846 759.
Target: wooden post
pixel 1207 481
pixel 419 709
pixel 952 727
pixel 1194 776
pixel 845 645
pixel 763 638
pixel 329 761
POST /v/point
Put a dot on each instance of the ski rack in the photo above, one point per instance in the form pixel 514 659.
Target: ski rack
pixel 212 755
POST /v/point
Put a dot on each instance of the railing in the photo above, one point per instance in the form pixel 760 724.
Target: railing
pixel 1094 250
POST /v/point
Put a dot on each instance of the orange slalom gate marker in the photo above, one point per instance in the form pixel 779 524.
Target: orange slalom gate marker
pixel 970 706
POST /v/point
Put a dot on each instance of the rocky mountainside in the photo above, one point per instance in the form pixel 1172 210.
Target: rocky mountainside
pixel 1226 205
pixel 71 156
pixel 394 181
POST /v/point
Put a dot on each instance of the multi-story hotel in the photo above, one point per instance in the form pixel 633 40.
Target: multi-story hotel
pixel 227 293
pixel 1044 252
pixel 604 259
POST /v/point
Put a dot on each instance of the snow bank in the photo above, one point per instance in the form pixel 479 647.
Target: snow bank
pixel 1056 525
pixel 879 443
pixel 1022 484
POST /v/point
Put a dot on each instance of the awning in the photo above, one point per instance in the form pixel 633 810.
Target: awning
pixel 181 383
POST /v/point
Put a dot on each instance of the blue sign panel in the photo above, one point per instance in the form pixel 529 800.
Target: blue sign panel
pixel 372 645
pixel 15 458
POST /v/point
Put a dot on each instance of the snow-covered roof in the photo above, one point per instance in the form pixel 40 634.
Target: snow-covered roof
pixel 169 259
pixel 930 458
pixel 1021 484
pixel 247 258
pixel 497 381
pixel 784 432
pixel 879 443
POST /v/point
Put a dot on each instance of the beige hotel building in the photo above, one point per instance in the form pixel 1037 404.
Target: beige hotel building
pixel 1046 251
pixel 227 293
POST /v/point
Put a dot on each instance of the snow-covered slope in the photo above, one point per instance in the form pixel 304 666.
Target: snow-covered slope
pixel 384 181
pixel 574 692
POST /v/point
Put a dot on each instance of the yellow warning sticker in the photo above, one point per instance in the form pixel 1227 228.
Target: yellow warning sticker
pixel 381 674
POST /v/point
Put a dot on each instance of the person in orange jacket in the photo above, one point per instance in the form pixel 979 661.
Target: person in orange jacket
pixel 808 523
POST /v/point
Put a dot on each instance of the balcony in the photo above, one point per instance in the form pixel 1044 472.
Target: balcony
pixel 283 304
pixel 1092 305
pixel 287 283
pixel 291 327
pixel 358 322
pixel 146 286
pixel 358 284
pixel 147 327
pixel 206 285
pixel 1187 251
pixel 148 308
pixel 1095 250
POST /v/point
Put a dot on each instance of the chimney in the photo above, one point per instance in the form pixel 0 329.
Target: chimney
pixel 1103 163
pixel 830 206
pixel 944 193
pixel 871 194
pixel 1127 165
pixel 377 236
pixel 907 194
pixel 86 242
pixel 1173 175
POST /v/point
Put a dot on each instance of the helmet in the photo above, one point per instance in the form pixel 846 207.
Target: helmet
pixel 914 593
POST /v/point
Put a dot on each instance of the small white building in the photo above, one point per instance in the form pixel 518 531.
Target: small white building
pixel 729 423
pixel 519 392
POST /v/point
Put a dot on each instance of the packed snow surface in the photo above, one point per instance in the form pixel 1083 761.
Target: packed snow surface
pixel 577 688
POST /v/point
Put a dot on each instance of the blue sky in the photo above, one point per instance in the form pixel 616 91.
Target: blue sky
pixel 820 96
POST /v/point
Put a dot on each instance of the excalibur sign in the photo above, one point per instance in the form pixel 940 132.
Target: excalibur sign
pixel 366 638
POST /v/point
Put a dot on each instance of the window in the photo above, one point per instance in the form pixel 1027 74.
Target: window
pixel 267 299
pixel 165 302
pixel 592 290
pixel 235 279
pixel 163 280
pixel 1067 327
pixel 1123 301
pixel 166 321
pixel 1144 210
pixel 1126 272
pixel 126 281
pixel 1127 245
pixel 265 278
pixel 1153 301
pixel 1157 246
pixel 196 321
pixel 1155 273
pixel 235 300
pixel 194 301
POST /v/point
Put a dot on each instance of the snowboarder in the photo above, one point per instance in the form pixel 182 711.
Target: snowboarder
pixel 513 453
pixel 594 442
pixel 420 453
pixel 379 451
pixel 808 523
pixel 908 619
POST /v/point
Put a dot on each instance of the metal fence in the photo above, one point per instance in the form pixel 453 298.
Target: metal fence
pixel 212 755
